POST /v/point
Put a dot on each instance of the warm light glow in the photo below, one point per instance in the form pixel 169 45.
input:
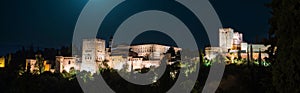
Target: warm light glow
pixel 2 62
pixel 46 66
pixel 30 63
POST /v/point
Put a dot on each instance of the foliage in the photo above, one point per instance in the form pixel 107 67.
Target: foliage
pixel 284 33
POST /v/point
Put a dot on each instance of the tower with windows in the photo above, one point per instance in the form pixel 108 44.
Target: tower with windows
pixel 93 52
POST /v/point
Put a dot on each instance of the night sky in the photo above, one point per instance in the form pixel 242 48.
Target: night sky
pixel 50 23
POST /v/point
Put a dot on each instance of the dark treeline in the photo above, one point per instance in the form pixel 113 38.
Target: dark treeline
pixel 13 82
pixel 284 37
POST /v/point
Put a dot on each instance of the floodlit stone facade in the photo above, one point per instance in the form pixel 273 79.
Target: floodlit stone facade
pixel 226 38
pixel 153 51
pixel 32 66
pixel 232 46
pixel 93 51
pixel 66 63
pixel 211 52
pixel 95 55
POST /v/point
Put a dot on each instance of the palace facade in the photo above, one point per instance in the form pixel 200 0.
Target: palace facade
pixel 232 46
pixel 95 55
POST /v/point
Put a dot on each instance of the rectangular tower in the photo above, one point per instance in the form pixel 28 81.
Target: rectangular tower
pixel 226 38
pixel 93 51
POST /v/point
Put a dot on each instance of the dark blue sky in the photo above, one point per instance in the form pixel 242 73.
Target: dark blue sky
pixel 50 23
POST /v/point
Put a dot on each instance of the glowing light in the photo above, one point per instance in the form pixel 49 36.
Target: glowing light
pixel 46 66
pixel 2 62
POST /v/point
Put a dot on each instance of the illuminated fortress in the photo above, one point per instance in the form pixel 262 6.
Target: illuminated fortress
pixel 232 46
pixel 95 55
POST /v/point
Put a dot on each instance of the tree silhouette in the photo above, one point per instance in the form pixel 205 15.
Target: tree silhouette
pixel 284 32
pixel 171 51
pixel 259 58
